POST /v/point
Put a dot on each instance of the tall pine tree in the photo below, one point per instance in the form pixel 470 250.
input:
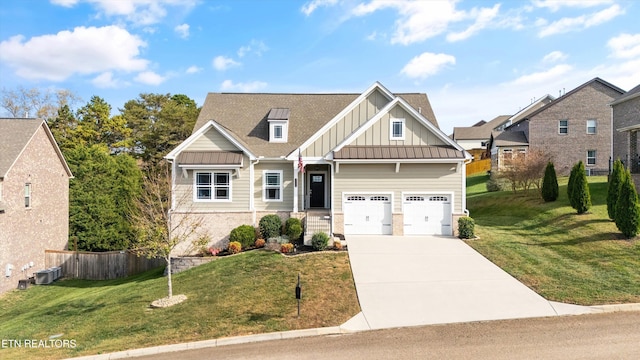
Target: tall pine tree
pixel 627 208
pixel 550 183
pixel 580 195
pixel 613 188
pixel 571 184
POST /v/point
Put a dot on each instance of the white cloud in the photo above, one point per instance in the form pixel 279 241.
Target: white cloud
pixel 625 46
pixel 255 47
pixel 81 51
pixel 150 78
pixel 311 6
pixel 105 80
pixel 484 17
pixel 253 86
pixel 624 75
pixel 222 63
pixel 193 69
pixel 139 12
pixel 427 64
pixel 555 5
pixel 543 76
pixel 182 30
pixel 554 56
pixel 565 25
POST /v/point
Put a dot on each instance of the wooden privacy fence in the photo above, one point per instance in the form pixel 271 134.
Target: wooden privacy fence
pixel 475 167
pixel 99 265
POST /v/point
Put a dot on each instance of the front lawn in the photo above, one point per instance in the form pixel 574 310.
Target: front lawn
pixel 580 259
pixel 250 293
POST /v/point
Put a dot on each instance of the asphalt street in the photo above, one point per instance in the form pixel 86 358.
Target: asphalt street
pixel 594 336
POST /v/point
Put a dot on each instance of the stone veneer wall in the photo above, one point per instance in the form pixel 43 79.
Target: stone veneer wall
pixel 180 264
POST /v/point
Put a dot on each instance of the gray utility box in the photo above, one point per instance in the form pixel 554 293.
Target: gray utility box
pixel 57 272
pixel 44 277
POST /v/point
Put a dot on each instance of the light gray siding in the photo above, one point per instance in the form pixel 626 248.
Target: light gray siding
pixel 371 178
pixel 347 125
pixel 288 188
pixel 415 132
pixel 240 191
pixel 211 140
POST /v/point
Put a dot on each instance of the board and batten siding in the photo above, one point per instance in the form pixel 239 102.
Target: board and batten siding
pixel 382 178
pixel 240 181
pixel 211 140
pixel 347 125
pixel 416 134
pixel 287 177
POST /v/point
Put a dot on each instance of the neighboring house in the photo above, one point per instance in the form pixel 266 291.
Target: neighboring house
pixel 370 163
pixel 475 138
pixel 573 127
pixel 34 198
pixel 626 125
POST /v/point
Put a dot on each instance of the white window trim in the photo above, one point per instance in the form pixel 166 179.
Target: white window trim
pixel 566 127
pixel 27 195
pixel 595 127
pixel 595 158
pixel 275 132
pixel 391 122
pixel 213 186
pixel 272 132
pixel 264 186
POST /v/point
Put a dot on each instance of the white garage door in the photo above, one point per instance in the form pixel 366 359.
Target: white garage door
pixel 427 214
pixel 367 214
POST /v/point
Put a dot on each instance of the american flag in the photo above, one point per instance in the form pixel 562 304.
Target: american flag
pixel 300 163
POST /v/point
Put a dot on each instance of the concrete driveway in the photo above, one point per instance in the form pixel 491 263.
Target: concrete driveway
pixel 421 280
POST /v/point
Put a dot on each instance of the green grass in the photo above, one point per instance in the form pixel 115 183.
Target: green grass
pixel 245 294
pixel 580 259
pixel 476 184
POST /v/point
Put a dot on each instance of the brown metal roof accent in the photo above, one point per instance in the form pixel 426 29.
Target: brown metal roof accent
pixel 243 115
pixel 210 158
pixel 278 114
pixel 397 153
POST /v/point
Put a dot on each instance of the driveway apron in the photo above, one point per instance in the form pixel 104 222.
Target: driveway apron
pixel 421 280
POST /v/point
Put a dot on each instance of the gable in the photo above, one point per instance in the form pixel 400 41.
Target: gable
pixel 348 124
pixel 211 140
pixel 416 134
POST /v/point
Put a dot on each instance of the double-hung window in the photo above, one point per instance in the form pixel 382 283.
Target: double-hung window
pixel 396 130
pixel 591 157
pixel 272 185
pixel 591 127
pixel 277 132
pixel 213 186
pixel 563 127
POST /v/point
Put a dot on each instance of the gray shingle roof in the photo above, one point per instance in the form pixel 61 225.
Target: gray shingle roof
pixel 14 136
pixel 397 152
pixel 631 94
pixel 479 132
pixel 245 116
pixel 510 138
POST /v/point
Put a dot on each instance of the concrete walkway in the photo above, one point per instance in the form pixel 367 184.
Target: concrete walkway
pixel 421 280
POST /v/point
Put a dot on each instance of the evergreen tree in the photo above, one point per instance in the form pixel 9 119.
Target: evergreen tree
pixel 580 195
pixel 627 215
pixel 571 183
pixel 615 179
pixel 550 183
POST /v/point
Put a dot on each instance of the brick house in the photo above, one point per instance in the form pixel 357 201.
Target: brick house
pixel 34 198
pixel 573 127
pixel 626 125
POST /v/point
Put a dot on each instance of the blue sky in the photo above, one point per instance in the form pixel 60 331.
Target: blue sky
pixel 475 59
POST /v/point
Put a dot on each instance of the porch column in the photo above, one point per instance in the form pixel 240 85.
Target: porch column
pixel 295 187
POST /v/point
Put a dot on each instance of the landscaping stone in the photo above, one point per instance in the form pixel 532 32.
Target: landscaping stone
pixel 168 301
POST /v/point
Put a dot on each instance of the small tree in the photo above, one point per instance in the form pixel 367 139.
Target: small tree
pixel 613 188
pixel 580 194
pixel 550 183
pixel 571 183
pixel 627 208
pixel 159 232
pixel 524 170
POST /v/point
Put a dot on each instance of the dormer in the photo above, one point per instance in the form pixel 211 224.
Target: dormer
pixel 278 119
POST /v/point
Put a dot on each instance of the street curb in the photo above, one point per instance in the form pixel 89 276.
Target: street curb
pixel 281 335
pixel 616 307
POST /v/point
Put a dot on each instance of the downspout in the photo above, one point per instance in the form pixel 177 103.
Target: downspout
pixel 252 206
pixel 611 159
pixel 331 197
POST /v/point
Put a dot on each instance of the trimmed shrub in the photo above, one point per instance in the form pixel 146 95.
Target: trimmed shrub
pixel 495 183
pixel 320 241
pixel 235 247
pixel 260 243
pixel 293 228
pixel 244 234
pixel 286 248
pixel 581 197
pixel 466 228
pixel 570 184
pixel 270 226
pixel 613 188
pixel 550 184
pixel 627 208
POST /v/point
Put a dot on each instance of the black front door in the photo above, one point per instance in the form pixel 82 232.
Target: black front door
pixel 317 190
